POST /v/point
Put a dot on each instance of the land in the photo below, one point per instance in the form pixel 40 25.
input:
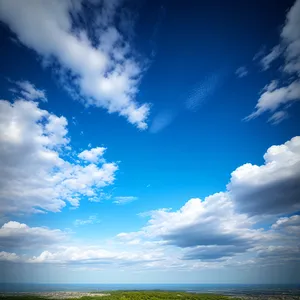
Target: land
pixel 143 295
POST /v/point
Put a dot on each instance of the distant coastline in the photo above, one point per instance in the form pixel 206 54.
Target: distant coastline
pixel 225 289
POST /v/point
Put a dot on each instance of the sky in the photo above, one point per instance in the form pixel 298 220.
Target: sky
pixel 150 141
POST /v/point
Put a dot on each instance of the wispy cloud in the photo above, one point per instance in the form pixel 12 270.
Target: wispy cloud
pixel 276 94
pixel 90 220
pixel 124 199
pixel 28 91
pixel 203 90
pixel 241 72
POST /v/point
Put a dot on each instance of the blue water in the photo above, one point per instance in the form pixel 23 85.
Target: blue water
pixel 200 288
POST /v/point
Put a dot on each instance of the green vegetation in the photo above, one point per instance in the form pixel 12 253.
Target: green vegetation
pixel 135 295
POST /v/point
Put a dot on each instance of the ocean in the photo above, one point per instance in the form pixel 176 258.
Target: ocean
pixel 230 289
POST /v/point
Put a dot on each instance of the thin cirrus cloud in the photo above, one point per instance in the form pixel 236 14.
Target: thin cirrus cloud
pixel 241 72
pixel 124 199
pixel 277 96
pixel 104 69
pixel 40 173
pixel 191 100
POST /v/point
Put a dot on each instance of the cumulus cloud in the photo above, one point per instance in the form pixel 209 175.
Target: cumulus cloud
pixel 9 257
pixel 28 91
pixel 200 226
pixel 93 155
pixel 124 199
pixel 278 95
pixel 38 171
pixel 17 235
pixel 226 225
pixel 272 188
pixel 103 69
pixel 241 72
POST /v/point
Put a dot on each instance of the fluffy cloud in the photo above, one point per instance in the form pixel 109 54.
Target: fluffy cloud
pixel 95 256
pixel 276 96
pixel 272 188
pixel 38 171
pixel 99 59
pixel 225 225
pixel 201 227
pixel 9 257
pixel 93 155
pixel 16 235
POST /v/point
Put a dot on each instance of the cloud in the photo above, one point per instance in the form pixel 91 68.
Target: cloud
pixel 276 95
pixel 29 92
pixel 17 235
pixel 203 90
pixel 39 172
pixel 124 199
pixel 267 60
pixel 200 227
pixel 95 62
pixel 93 255
pixel 9 257
pixel 90 220
pixel 93 155
pixel 278 117
pixel 241 72
pixel 271 99
pixel 272 188
pixel 226 225
pixel 288 225
pixel 162 120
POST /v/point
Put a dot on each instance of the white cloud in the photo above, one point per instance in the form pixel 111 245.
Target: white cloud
pixel 93 255
pixel 241 72
pixel 290 35
pixel 102 65
pixel 198 226
pixel 9 257
pixel 272 188
pixel 267 60
pixel 90 220
pixel 272 99
pixel 17 235
pixel 38 171
pixel 93 155
pixel 275 96
pixel 226 225
pixel 28 91
pixel 124 199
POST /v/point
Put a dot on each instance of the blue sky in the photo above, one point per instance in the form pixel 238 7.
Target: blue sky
pixel 151 141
